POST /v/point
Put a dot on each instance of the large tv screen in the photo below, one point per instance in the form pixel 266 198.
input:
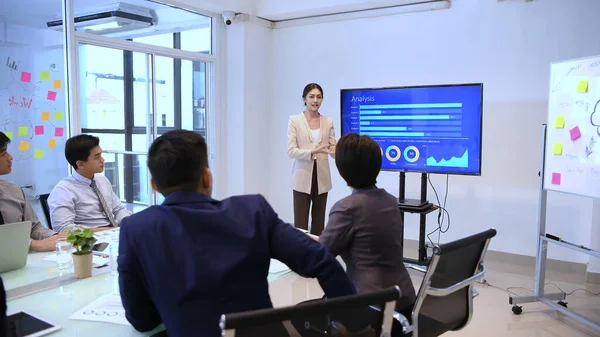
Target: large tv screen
pixel 433 129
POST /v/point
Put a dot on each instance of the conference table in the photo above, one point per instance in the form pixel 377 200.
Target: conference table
pixel 41 290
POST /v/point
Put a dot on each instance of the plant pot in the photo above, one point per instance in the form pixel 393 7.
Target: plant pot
pixel 82 265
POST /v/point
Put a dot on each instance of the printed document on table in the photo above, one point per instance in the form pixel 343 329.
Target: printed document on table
pixel 107 309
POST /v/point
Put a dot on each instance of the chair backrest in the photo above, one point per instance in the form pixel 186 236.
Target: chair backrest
pixel 445 301
pixel 268 322
pixel 44 201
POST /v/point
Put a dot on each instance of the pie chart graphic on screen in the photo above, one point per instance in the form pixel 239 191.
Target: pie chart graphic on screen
pixel 393 153
pixel 411 154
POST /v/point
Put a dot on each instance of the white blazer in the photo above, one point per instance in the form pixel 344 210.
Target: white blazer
pixel 300 145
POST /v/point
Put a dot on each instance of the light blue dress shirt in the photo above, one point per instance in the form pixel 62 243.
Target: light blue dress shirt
pixel 73 202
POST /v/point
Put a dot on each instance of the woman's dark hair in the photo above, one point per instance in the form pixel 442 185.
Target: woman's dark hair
pixel 310 87
pixel 358 159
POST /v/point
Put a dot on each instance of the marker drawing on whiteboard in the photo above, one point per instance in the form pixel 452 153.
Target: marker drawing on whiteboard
pixel 597 125
pixel 589 148
pixel 594 65
pixel 573 68
pixel 583 105
pixel 12 64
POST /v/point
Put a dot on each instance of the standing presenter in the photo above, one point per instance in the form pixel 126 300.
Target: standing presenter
pixel 311 139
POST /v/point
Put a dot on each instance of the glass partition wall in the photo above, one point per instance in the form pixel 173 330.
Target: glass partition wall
pixel 131 86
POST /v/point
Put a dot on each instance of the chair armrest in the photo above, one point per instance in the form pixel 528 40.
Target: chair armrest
pixel 455 287
pixel 418 268
pixel 406 327
pixel 401 319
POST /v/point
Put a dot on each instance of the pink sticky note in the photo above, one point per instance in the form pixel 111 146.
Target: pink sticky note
pixel 25 77
pixel 58 132
pixel 51 95
pixel 39 129
pixel 555 178
pixel 575 133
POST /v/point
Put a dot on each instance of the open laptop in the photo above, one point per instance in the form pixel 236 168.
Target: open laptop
pixel 14 245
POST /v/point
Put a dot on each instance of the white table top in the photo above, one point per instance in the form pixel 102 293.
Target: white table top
pixel 57 304
pixel 36 270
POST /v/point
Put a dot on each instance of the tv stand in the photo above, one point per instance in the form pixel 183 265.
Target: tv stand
pixel 416 206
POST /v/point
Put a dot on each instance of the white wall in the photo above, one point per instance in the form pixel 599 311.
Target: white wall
pixel 244 148
pixel 506 45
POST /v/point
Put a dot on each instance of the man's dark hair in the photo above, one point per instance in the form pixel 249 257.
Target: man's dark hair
pixel 176 161
pixel 79 148
pixel 4 140
pixel 358 158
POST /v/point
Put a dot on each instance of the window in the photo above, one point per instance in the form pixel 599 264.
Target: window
pixel 115 102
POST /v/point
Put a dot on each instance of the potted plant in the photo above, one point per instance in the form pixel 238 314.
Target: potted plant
pixel 82 239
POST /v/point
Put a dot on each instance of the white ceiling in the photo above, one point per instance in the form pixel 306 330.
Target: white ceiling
pixel 35 13
pixel 276 10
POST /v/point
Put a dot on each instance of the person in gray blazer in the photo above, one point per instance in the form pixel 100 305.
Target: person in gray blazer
pixel 365 227
pixel 15 208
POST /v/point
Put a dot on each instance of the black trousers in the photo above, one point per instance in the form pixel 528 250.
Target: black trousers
pixel 302 206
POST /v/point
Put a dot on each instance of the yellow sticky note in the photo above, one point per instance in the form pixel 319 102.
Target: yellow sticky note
pixel 45 115
pixel 583 86
pixel 45 75
pixel 51 143
pixel 9 135
pixel 59 115
pixel 38 154
pixel 560 122
pixel 57 84
pixel 23 146
pixel 557 148
pixel 23 131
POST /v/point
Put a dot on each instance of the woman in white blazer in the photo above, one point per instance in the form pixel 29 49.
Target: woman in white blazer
pixel 311 139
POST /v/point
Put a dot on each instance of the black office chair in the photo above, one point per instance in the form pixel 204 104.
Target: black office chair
pixel 269 322
pixel 445 299
pixel 44 201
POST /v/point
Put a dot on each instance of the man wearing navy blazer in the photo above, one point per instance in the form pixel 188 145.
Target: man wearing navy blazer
pixel 188 261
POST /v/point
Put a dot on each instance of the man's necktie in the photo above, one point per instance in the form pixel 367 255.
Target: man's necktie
pixel 107 211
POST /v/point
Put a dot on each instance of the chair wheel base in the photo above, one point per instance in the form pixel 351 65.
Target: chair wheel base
pixel 517 310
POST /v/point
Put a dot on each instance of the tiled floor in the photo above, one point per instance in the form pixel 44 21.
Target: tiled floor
pixel 492 316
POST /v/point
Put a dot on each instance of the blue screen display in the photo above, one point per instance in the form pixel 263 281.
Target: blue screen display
pixel 435 129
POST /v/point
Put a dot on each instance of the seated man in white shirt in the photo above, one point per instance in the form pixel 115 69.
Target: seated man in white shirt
pixel 85 198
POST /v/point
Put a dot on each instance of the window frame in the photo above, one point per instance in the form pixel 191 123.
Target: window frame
pixel 128 47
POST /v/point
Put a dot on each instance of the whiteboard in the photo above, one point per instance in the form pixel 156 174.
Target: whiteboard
pixel 32 114
pixel 572 156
